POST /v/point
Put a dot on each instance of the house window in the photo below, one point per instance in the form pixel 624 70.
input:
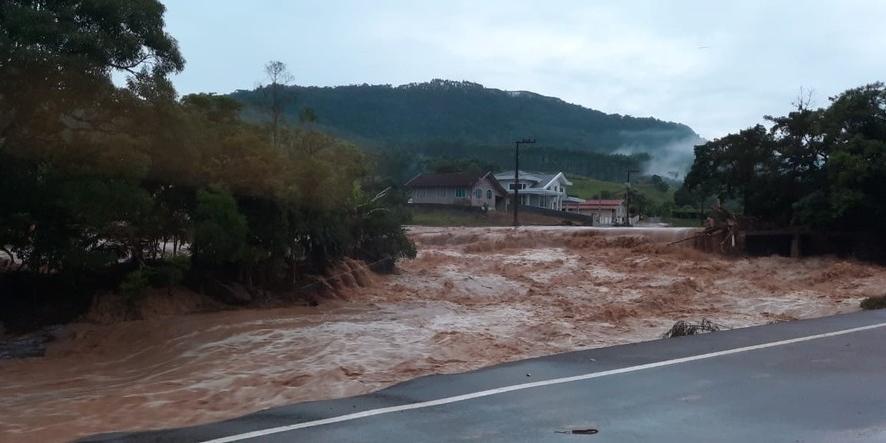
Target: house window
pixel 478 193
pixel 513 186
pixel 488 194
pixel 460 192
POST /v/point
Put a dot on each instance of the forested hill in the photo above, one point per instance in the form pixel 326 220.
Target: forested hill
pixel 467 114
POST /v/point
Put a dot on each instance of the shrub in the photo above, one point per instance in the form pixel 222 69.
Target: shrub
pixel 168 273
pixel 875 302
pixel 134 284
pixel 219 228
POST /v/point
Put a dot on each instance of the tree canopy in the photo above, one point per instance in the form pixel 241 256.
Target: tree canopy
pixel 453 119
pixel 94 176
pixel 822 167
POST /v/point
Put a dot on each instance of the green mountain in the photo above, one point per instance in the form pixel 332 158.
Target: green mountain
pixel 445 117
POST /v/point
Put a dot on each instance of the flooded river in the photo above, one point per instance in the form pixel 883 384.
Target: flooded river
pixel 473 297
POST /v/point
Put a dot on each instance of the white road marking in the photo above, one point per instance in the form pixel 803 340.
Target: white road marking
pixel 537 384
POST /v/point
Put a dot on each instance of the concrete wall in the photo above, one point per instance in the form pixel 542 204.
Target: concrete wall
pixel 571 216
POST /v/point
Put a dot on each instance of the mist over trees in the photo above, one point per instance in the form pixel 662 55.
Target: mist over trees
pixel 821 168
pixel 96 179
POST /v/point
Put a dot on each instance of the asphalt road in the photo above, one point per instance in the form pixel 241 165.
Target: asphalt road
pixel 821 380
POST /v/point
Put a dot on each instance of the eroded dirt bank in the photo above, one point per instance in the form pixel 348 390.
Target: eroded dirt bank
pixel 473 297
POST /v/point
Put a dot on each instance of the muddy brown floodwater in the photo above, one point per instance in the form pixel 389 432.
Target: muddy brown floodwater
pixel 473 297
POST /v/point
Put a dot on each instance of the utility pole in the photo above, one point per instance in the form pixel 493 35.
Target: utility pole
pixel 628 197
pixel 517 144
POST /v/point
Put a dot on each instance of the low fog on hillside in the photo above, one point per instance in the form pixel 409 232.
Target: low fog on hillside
pixel 671 159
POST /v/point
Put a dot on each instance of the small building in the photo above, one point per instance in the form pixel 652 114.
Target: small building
pixel 536 189
pixel 605 212
pixel 457 189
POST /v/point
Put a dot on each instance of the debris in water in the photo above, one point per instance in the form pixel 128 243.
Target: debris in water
pixel 722 229
pixel 683 327
pixel 31 345
pixel 874 302
pixel 588 431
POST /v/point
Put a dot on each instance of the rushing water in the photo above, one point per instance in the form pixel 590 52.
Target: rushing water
pixel 473 297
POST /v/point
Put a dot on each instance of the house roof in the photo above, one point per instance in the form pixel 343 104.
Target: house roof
pixel 452 180
pixel 542 180
pixel 537 177
pixel 560 175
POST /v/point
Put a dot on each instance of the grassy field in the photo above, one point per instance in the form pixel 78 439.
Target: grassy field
pixel 424 216
pixel 443 217
pixel 590 188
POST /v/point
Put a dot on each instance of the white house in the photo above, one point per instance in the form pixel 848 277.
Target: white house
pixel 536 189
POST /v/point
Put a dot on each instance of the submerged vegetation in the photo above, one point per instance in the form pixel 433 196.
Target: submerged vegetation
pixel 96 178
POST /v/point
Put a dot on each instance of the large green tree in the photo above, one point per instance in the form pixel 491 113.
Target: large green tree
pixel 57 58
pixel 92 175
pixel 72 149
pixel 813 167
pixel 855 126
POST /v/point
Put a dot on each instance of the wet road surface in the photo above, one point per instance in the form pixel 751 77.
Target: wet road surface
pixel 820 380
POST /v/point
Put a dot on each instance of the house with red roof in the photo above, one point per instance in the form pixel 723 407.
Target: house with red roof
pixel 605 212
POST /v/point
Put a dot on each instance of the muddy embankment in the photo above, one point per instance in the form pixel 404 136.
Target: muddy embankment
pixel 473 297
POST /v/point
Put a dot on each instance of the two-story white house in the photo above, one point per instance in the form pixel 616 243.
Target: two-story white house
pixel 536 189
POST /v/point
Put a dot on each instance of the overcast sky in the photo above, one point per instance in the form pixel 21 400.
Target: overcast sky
pixel 715 66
